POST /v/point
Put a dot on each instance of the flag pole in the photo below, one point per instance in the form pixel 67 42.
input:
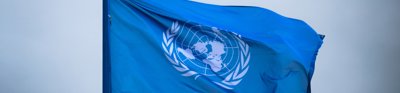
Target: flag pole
pixel 106 59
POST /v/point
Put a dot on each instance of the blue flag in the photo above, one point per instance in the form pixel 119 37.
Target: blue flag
pixel 180 46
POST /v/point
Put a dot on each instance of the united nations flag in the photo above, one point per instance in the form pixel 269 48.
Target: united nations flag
pixel 184 47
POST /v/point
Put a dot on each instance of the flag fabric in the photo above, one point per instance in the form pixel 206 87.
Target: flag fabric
pixel 180 46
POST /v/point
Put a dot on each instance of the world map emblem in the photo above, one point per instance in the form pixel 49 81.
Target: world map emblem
pixel 203 51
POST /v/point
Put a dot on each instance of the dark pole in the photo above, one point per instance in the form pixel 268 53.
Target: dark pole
pixel 106 54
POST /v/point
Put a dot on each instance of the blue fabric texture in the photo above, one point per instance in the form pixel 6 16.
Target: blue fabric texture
pixel 180 46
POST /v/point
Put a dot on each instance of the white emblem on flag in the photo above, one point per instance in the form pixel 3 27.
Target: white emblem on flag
pixel 197 50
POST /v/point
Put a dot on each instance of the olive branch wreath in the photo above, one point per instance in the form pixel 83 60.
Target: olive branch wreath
pixel 234 77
